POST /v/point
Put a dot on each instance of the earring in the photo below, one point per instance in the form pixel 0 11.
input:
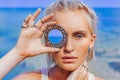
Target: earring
pixel 89 50
pixel 88 57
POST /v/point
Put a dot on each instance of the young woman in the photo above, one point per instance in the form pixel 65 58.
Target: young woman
pixel 79 22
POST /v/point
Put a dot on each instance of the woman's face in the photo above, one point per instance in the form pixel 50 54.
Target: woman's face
pixel 79 39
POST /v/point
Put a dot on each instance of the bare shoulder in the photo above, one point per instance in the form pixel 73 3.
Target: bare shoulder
pixel 34 75
pixel 97 78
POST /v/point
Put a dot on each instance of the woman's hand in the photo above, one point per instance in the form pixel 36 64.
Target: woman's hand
pixel 29 43
pixel 80 73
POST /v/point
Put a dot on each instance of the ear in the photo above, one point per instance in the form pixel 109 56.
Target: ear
pixel 93 38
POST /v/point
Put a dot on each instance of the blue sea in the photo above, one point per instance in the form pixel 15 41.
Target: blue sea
pixel 107 49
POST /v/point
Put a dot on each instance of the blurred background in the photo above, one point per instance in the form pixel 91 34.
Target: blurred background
pixel 106 63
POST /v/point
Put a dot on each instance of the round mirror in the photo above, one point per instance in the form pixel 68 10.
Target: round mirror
pixel 55 36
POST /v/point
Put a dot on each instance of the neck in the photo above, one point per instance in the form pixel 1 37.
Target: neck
pixel 56 73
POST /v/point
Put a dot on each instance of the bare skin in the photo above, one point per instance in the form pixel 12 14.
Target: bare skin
pixel 37 76
pixel 29 43
pixel 79 39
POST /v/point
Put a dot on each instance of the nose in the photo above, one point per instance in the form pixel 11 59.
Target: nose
pixel 68 46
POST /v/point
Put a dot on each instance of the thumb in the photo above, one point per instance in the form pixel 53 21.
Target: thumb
pixel 50 49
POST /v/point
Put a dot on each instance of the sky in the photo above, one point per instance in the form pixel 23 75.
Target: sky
pixel 44 3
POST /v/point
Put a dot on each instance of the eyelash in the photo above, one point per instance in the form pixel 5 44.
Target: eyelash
pixel 79 35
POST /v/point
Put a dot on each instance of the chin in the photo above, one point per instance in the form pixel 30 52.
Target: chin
pixel 69 67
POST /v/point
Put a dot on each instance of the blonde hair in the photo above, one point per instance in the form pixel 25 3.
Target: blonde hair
pixel 63 5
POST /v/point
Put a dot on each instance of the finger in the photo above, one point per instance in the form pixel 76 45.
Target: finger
pixel 26 21
pixel 46 18
pixel 31 22
pixel 35 15
pixel 79 70
pixel 75 74
pixel 28 18
pixel 50 50
pixel 32 19
pixel 45 25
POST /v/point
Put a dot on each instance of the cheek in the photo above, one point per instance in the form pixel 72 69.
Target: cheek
pixel 81 46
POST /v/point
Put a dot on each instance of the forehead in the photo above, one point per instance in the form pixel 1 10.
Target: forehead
pixel 72 20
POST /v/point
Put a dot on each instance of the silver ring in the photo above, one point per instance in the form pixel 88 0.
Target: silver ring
pixel 42 20
pixel 42 31
pixel 25 21
pixel 23 27
pixel 35 26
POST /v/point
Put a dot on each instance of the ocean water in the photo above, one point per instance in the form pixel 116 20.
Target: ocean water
pixel 107 49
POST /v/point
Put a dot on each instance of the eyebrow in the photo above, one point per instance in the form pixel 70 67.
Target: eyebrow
pixel 79 32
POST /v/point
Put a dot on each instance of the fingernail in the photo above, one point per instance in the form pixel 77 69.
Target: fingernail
pixel 52 13
pixel 57 49
pixel 29 14
pixel 39 9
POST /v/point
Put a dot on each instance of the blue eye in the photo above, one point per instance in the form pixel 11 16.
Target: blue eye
pixel 79 36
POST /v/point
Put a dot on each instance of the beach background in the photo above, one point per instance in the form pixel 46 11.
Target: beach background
pixel 106 62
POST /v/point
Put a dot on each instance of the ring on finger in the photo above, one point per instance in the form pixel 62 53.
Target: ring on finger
pixel 45 24
pixel 23 27
pixel 42 31
pixel 42 20
pixel 35 26
pixel 25 21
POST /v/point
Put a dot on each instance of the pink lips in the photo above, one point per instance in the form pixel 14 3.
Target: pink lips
pixel 68 59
